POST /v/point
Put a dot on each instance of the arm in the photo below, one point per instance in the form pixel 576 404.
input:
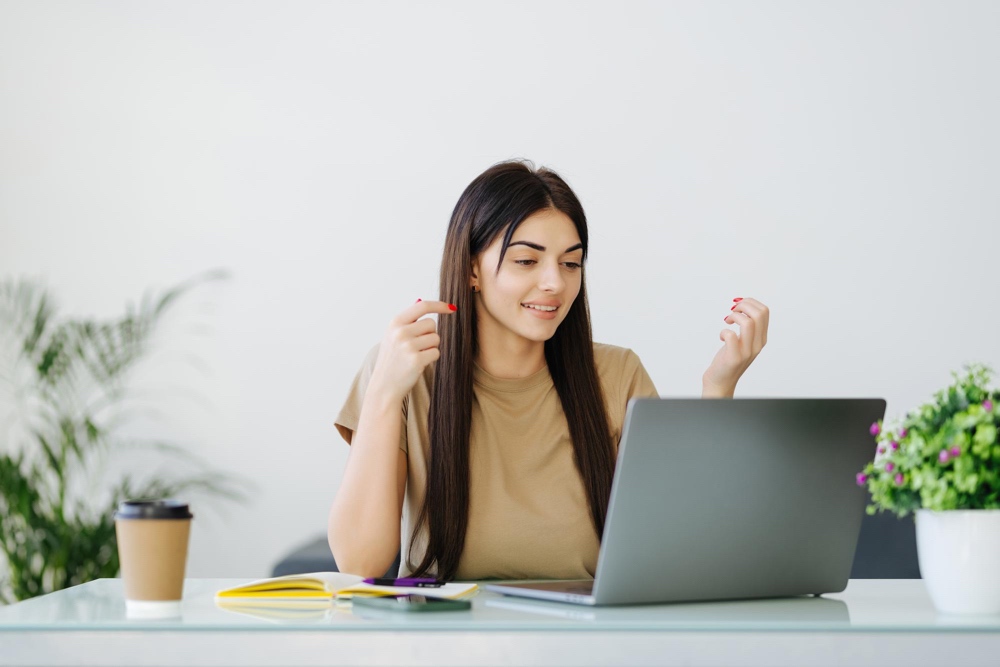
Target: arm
pixel 363 528
pixel 739 351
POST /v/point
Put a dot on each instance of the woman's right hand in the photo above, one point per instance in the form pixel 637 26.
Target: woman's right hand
pixel 409 345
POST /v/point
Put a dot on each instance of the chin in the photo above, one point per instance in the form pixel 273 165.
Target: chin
pixel 542 338
pixel 539 335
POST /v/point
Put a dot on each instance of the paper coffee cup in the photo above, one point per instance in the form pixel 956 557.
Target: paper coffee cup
pixel 152 551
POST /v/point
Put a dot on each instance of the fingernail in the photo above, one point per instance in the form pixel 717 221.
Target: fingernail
pixel 724 319
pixel 418 300
pixel 734 307
pixel 453 308
pixel 739 298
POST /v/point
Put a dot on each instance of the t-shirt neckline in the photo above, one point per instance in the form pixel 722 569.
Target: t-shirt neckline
pixel 484 379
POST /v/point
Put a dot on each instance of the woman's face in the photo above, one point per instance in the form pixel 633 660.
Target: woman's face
pixel 542 268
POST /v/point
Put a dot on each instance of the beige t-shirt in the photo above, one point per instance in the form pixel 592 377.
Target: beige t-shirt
pixel 528 511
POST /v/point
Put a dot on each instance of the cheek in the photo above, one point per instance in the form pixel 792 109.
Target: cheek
pixel 508 289
pixel 575 284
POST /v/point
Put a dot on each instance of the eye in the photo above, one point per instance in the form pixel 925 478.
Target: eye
pixel 573 265
pixel 524 262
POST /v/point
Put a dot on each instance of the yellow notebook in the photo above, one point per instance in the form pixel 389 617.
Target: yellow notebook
pixel 320 586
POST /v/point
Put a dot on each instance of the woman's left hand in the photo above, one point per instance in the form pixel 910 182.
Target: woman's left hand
pixel 739 351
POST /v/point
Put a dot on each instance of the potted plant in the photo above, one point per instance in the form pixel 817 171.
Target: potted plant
pixel 942 462
pixel 67 383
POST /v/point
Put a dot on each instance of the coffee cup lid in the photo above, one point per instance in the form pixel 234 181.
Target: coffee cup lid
pixel 153 509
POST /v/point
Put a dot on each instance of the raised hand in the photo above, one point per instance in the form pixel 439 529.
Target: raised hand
pixel 739 350
pixel 409 345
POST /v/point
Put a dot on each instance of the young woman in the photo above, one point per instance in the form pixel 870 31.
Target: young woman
pixel 492 435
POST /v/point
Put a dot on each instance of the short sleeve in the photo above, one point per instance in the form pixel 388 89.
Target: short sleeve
pixel 350 414
pixel 623 378
pixel 636 382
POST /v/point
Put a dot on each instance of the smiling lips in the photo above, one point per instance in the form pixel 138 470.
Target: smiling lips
pixel 545 311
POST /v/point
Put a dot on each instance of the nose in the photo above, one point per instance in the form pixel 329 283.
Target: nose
pixel 551 281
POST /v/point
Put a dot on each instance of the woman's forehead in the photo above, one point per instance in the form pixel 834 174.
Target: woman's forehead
pixel 549 228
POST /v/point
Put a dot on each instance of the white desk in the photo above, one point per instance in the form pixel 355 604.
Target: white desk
pixel 874 622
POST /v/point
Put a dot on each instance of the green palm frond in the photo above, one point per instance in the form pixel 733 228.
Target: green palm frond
pixel 75 370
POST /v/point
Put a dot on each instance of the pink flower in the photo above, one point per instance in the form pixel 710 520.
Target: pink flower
pixel 861 478
pixel 956 451
pixel 889 466
pixel 902 434
pixel 899 479
pixel 893 445
pixel 875 430
pixel 881 450
pixel 943 456
pixel 988 405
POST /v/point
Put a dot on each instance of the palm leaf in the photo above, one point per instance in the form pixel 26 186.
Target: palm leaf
pixel 78 369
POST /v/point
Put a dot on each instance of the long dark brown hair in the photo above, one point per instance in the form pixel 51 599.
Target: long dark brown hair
pixel 496 203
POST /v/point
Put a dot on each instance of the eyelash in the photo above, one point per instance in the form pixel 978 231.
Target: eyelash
pixel 527 262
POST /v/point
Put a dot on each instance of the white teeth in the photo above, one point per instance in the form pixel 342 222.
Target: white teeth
pixel 547 309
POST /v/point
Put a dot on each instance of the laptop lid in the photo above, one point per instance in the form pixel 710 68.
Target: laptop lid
pixel 735 498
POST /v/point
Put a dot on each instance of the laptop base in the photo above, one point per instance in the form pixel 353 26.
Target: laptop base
pixel 576 591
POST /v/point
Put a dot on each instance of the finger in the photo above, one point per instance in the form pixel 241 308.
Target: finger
pixel 426 342
pixel 763 321
pixel 758 312
pixel 429 356
pixel 751 312
pixel 748 307
pixel 419 328
pixel 421 308
pixel 754 302
pixel 747 328
pixel 729 337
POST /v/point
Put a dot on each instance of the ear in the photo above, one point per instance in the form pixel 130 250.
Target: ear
pixel 474 273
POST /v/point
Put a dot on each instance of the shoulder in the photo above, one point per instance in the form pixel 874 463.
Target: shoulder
pixel 613 359
pixel 621 371
pixel 622 377
pixel 614 364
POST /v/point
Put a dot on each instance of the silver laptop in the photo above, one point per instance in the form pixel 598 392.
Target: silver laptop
pixel 726 499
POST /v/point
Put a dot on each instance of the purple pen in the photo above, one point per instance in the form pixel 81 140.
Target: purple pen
pixel 406 582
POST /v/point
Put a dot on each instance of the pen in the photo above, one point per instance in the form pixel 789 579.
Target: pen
pixel 407 582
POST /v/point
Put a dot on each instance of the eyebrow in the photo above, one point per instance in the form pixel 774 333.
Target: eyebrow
pixel 541 248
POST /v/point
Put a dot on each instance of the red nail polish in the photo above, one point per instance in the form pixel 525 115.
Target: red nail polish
pixel 734 307
pixel 725 318
pixel 418 300
pixel 739 298
pixel 453 308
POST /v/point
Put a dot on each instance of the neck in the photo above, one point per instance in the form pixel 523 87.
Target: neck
pixel 510 356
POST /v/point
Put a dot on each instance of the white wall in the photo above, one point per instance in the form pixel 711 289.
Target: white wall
pixel 836 160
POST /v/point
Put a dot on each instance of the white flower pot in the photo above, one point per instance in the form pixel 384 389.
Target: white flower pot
pixel 959 556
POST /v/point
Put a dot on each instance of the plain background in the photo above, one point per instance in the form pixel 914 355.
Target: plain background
pixel 837 161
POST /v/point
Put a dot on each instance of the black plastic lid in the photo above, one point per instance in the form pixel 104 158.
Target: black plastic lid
pixel 153 509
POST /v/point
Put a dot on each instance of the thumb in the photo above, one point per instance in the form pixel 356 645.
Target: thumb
pixel 729 337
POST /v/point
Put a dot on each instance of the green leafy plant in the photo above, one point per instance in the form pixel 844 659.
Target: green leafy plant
pixel 943 455
pixel 69 384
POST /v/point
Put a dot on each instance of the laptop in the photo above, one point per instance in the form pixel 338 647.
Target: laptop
pixel 728 499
